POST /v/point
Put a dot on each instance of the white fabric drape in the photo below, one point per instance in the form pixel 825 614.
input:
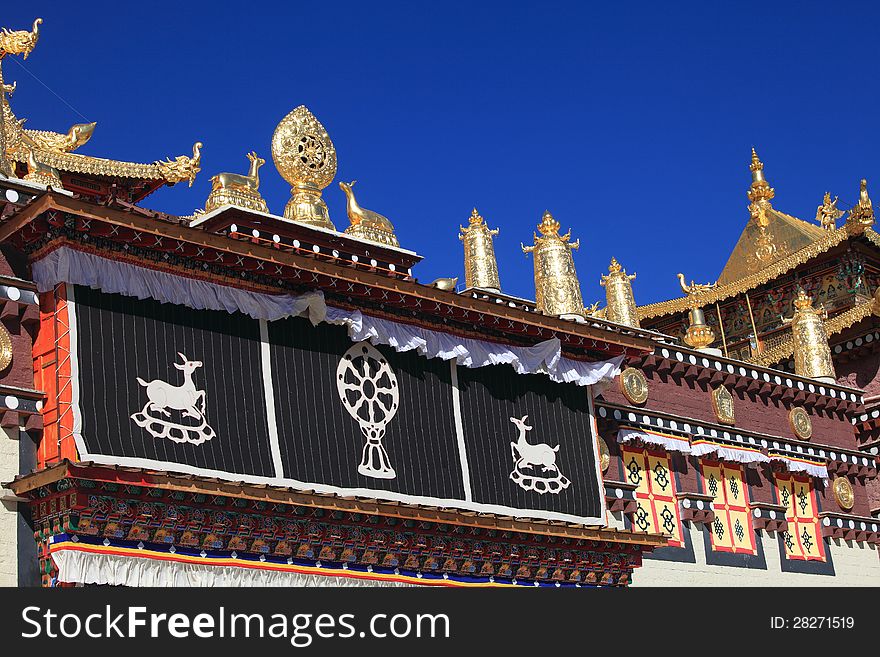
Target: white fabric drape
pixel 669 443
pixel 90 568
pixel 728 452
pixel 796 465
pixel 66 265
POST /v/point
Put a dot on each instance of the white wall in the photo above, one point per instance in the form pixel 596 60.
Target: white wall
pixel 9 460
pixel 855 564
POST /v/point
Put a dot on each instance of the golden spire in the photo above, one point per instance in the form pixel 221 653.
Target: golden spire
pixel 699 335
pixel 366 224
pixel 480 266
pixel 620 303
pixel 306 158
pixel 861 215
pixel 238 190
pixel 760 190
pixel 812 355
pixel 557 290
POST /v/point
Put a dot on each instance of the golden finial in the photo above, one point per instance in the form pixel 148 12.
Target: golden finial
pixel 827 214
pixel 548 226
pixel 480 266
pixel 756 161
pixel 760 191
pixel 812 354
pixel 238 190
pixel 364 223
pixel 306 158
pixel 861 215
pixel 620 303
pixel 698 335
pixel 557 290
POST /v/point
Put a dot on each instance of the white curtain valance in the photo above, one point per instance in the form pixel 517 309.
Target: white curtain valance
pixel 728 452
pixel 812 468
pixel 667 441
pixel 79 567
pixel 67 265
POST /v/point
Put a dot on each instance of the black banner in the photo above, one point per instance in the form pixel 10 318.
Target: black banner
pixel 122 343
pixel 288 403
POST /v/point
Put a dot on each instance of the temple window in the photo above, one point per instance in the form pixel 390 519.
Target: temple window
pixel 802 540
pixel 731 530
pixel 657 508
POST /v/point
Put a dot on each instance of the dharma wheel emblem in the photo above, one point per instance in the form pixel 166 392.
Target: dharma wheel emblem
pixel 800 423
pixel 368 390
pixel 843 493
pixel 634 385
pixel 722 404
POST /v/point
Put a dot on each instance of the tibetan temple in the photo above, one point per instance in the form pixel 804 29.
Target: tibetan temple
pixel 160 377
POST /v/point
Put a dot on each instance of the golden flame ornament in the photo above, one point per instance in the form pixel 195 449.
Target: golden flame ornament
pixel 812 354
pixel 620 303
pixel 480 266
pixel 306 158
pixel 557 290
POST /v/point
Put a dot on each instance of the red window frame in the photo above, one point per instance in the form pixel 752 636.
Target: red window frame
pixel 652 495
pixel 789 488
pixel 727 505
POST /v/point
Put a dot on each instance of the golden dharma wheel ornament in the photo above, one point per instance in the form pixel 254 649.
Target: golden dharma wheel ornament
pixel 800 423
pixel 604 454
pixel 306 158
pixel 843 493
pixel 5 348
pixel 634 385
pixel 722 404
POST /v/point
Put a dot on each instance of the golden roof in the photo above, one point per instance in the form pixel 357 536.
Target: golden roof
pixel 786 234
pixel 771 244
pixel 54 149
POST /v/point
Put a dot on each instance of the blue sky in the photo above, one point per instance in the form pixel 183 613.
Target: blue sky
pixel 632 123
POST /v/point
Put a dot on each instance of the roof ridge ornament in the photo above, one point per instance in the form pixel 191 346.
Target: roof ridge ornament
pixel 557 289
pixel 306 158
pixel 828 213
pixel 861 215
pixel 620 304
pixel 238 190
pixel 760 190
pixel 480 265
pixel 366 224
pixel 699 334
pixel 812 354
pixel 20 42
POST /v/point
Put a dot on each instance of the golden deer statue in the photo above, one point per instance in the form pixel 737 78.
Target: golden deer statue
pixel 358 215
pixel 237 181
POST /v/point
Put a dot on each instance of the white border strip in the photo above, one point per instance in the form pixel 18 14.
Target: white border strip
pixel 459 433
pixel 78 439
pixel 594 447
pixel 269 392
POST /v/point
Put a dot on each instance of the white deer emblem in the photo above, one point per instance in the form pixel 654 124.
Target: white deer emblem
pixel 163 397
pixel 528 459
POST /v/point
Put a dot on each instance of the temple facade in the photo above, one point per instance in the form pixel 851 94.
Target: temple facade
pixel 269 396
